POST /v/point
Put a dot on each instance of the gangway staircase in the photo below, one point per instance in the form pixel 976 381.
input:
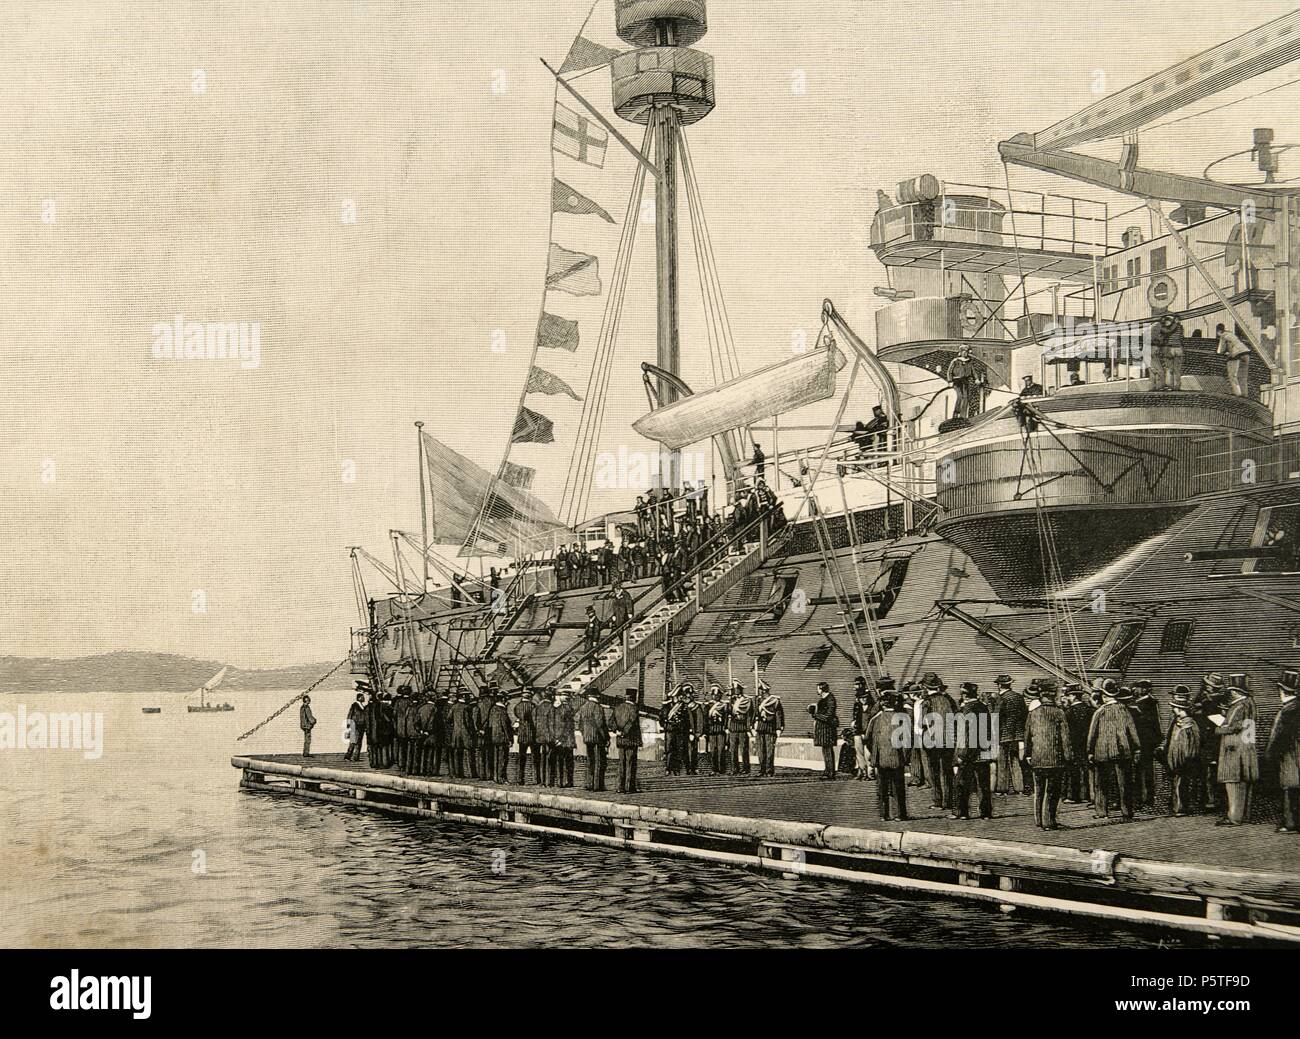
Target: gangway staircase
pixel 710 583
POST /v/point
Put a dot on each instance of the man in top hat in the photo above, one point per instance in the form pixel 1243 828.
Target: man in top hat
pixel 887 753
pixel 716 713
pixel 769 722
pixel 1078 716
pixel 1012 712
pixel 937 739
pixel 1146 716
pixel 1238 753
pixel 1180 750
pixel 1113 748
pixel 355 728
pixel 526 733
pixel 497 737
pixel 739 723
pixel 863 707
pixel 1283 751
pixel 976 750
pixel 563 740
pixel 626 721
pixel 826 727
pixel 591 638
pixel 595 737
pixel 1048 751
pixel 442 730
pixel 307 722
pixel 544 727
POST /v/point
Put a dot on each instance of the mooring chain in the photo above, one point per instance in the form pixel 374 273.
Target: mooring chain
pixel 281 710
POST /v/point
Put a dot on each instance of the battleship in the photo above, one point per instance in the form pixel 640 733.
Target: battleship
pixel 1105 525
pixel 1063 448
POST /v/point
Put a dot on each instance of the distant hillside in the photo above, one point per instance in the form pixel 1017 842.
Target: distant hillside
pixel 150 672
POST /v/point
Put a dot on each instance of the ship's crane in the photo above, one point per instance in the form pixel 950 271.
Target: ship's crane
pixel 1124 112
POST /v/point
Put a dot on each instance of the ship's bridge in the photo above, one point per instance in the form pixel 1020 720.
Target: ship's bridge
pixel 950 226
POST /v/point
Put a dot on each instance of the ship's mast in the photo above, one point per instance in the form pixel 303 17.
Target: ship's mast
pixel 666 84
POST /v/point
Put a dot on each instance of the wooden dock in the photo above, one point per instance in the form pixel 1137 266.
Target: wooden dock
pixel 1182 874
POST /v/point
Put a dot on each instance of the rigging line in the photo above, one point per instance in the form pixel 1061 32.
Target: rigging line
pixel 589 403
pixel 584 487
pixel 584 454
pixel 715 347
pixel 582 496
pixel 694 187
pixel 580 444
pixel 627 238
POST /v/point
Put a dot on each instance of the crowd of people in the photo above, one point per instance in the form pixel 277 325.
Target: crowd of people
pixel 470 737
pixel 1097 745
pixel 674 534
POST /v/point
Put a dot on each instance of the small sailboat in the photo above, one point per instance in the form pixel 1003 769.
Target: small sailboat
pixel 203 707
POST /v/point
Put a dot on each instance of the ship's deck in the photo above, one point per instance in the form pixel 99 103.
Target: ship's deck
pixel 1178 873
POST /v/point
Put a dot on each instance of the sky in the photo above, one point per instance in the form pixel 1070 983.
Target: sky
pixel 196 158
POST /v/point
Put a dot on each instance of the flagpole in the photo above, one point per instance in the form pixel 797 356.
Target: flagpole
pixel 424 510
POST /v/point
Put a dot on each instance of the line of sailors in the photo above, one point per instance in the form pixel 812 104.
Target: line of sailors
pixel 730 725
pixel 1098 745
pixel 420 734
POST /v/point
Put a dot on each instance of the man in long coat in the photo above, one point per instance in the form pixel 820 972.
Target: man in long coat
pixel 543 721
pixel 886 743
pixel 526 733
pixel 1238 751
pixel 1181 750
pixel 1048 751
pixel 1284 751
pixel 1113 747
pixel 497 737
pixel 1011 711
pixel 826 727
pixel 626 721
pixel 401 720
pixel 1146 716
pixel 975 753
pixel 595 737
pixel 1078 715
pixel 464 737
pixel 937 712
pixel 356 727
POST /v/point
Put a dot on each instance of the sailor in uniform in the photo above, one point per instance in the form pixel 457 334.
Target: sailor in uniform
pixel 768 725
pixel 717 721
pixel 738 726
